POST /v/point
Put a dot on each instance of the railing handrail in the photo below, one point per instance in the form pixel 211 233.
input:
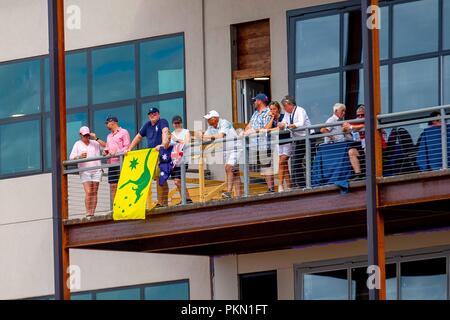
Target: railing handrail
pixel 411 112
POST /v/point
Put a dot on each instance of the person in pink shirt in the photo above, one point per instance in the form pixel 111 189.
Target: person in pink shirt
pixel 82 149
pixel 116 143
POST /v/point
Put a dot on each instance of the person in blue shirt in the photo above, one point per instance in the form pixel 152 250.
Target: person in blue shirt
pixel 156 130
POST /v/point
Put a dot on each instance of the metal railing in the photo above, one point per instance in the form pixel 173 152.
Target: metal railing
pixel 258 163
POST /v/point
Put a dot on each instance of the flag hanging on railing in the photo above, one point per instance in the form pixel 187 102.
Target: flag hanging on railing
pixel 134 181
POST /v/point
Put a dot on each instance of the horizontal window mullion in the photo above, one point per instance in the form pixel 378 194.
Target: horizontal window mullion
pixel 165 96
pixel 317 73
pixel 36 116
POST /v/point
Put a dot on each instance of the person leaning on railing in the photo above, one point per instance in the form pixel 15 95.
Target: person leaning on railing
pixel 117 142
pixel 156 130
pixel 284 148
pixel 258 122
pixel 219 128
pixel 82 149
pixel 340 134
pixel 295 117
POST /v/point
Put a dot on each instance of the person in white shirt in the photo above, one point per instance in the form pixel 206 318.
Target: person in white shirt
pixel 87 148
pixel 219 128
pixel 342 133
pixel 295 117
pixel 180 138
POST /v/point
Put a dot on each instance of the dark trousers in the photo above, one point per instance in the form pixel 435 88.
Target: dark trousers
pixel 297 168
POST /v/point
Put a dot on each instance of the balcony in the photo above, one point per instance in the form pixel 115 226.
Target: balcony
pixel 328 204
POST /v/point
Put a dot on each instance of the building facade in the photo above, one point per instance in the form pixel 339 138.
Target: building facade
pixel 188 57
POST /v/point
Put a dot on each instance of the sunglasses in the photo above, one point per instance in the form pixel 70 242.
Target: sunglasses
pixel 360 115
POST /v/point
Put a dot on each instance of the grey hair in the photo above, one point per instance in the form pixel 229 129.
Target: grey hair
pixel 361 108
pixel 338 106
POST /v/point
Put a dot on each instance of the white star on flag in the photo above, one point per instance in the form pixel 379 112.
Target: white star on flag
pixel 164 156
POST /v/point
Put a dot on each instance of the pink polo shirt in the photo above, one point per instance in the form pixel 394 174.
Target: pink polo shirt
pixel 92 150
pixel 117 142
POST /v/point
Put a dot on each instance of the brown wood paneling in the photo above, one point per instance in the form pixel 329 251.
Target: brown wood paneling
pixel 253 45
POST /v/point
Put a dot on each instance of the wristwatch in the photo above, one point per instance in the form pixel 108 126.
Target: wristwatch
pixel 97 139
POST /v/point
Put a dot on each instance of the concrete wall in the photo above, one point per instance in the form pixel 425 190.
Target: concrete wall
pixel 226 285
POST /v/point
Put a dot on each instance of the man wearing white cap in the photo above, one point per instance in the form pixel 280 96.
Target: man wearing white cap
pixel 87 148
pixel 219 128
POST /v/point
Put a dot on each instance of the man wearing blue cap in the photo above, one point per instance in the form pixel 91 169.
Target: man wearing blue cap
pixel 259 121
pixel 156 130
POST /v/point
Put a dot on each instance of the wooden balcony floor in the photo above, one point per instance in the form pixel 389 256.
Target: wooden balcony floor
pixel 272 221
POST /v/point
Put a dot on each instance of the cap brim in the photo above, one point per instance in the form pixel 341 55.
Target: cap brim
pixel 207 117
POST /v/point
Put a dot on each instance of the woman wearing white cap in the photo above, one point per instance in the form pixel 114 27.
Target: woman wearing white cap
pixel 82 149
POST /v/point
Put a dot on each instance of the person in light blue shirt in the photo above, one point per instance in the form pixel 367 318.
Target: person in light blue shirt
pixel 219 128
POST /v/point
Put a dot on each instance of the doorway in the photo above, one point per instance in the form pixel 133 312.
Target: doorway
pixel 251 66
pixel 247 89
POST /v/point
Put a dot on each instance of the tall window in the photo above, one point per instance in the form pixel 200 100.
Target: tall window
pixel 325 56
pixel 408 276
pixel 121 79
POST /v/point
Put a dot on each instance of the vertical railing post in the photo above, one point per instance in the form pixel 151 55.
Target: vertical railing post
pixel 308 159
pixel 246 166
pixel 183 180
pixel 444 140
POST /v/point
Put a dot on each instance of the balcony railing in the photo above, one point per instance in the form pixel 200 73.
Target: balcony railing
pixel 413 141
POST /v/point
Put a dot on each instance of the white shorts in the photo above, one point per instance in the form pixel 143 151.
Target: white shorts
pixel 232 158
pixel 91 176
pixel 285 149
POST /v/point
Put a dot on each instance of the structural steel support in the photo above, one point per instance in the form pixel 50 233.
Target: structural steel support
pixel 58 145
pixel 375 221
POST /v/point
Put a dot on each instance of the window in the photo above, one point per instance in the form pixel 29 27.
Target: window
pixel 424 280
pixel 258 286
pixel 99 81
pixel 317 44
pixel 126 116
pixel 415 85
pixel 409 276
pixel 330 285
pixel 415 27
pixel 168 109
pixel 20 146
pixel 410 53
pixel 446 25
pixel 446 80
pixel 74 122
pixel 20 85
pixel 120 294
pixel 171 291
pixel 113 74
pixel 318 95
pixel 162 66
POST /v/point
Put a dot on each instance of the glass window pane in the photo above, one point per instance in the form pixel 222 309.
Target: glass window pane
pixel 121 294
pixel 172 291
pixel 46 85
pixel 168 109
pixel 20 85
pixel 113 74
pixel 352 38
pixel 331 285
pixel 76 80
pixel 81 296
pixel 359 283
pixel 416 27
pixel 162 66
pixel 74 122
pixel 446 24
pixel 354 92
pixel 20 145
pixel 48 146
pixel 126 116
pixel 318 95
pixel 424 280
pixel 317 43
pixel 415 85
pixel 384 33
pixel 447 80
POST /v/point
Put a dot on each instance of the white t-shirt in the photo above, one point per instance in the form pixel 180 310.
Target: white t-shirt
pixel 299 118
pixel 92 150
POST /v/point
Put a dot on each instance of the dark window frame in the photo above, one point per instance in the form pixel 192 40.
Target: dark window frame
pixel 137 101
pixel 292 16
pixel 348 263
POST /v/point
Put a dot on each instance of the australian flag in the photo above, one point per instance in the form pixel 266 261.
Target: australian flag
pixel 165 164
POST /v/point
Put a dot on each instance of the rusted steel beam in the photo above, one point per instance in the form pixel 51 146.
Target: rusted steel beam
pixel 58 145
pixel 372 101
